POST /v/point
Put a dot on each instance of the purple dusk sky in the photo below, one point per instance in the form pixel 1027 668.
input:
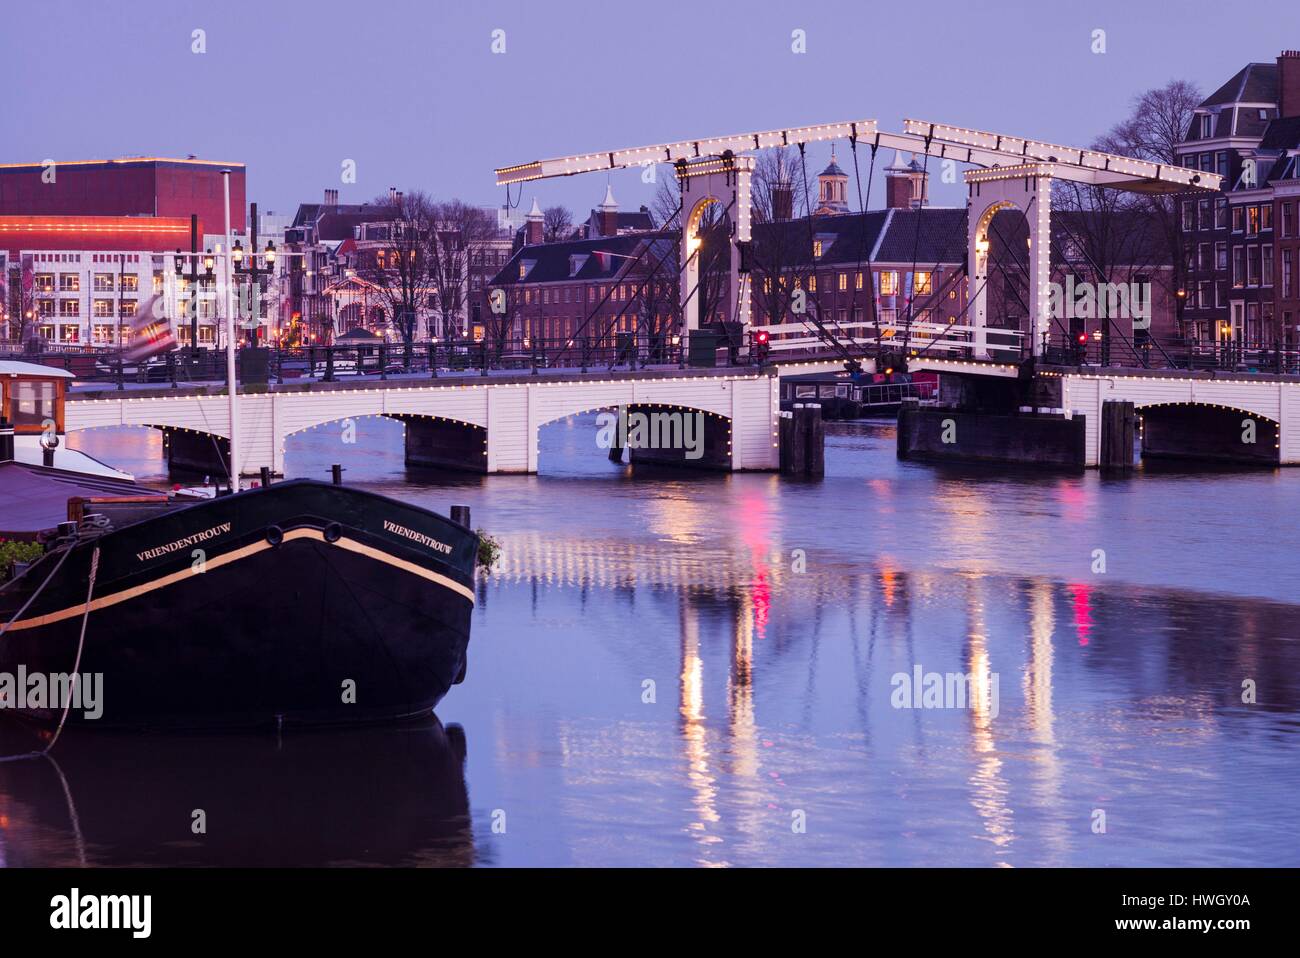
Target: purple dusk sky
pixel 413 93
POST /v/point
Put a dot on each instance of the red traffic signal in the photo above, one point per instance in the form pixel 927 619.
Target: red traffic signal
pixel 761 337
pixel 1083 338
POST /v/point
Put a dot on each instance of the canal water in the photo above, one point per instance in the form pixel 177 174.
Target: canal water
pixel 710 670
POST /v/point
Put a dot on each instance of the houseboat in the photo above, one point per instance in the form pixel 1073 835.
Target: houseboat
pixel 301 602
pixel 845 395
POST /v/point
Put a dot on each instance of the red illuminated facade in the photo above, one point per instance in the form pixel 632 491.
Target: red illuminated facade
pixel 126 187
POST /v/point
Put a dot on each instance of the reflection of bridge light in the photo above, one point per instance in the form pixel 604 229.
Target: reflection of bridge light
pixel 989 790
pixel 762 601
pixel 694 730
pixel 1080 596
pixel 888 579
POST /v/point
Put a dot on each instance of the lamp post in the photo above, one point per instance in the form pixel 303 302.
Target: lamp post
pixel 231 385
pixel 194 285
pixel 252 270
pixel 121 306
pixel 208 264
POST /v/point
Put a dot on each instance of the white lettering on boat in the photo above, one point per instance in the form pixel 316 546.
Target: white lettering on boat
pixel 203 536
pixel 419 537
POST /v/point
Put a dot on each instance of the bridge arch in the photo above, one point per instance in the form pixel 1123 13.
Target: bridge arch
pixel 657 433
pixel 1207 431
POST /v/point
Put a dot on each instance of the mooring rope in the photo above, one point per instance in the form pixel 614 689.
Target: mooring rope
pixel 81 643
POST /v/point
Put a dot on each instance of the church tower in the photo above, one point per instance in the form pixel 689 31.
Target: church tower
pixel 832 189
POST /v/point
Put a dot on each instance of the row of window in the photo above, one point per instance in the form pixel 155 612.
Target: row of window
pixel 1212 162
pixel 1252 266
pixel 616 292
pixel 72 307
pixel 1213 214
pixel 887 282
pixel 103 334
pixel 102 282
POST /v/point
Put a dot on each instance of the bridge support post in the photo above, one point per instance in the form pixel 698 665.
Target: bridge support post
pixel 725 181
pixel 1118 427
pixel 1027 187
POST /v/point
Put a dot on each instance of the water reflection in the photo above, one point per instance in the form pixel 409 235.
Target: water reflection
pixel 1120 691
pixel 1079 699
pixel 369 796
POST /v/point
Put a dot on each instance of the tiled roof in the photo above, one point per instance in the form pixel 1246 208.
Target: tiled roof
pixel 926 235
pixel 1282 134
pixel 845 238
pixel 1253 83
pixel 930 235
pixel 552 263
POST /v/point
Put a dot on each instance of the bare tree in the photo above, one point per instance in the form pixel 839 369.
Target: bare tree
pixel 1135 230
pixel 557 224
pixel 782 247
pixel 458 231
pixel 400 263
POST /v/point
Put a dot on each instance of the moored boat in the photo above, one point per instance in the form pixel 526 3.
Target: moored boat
pixel 299 603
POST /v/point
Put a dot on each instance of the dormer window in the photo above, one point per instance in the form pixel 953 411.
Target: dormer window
pixel 817 248
pixel 1207 126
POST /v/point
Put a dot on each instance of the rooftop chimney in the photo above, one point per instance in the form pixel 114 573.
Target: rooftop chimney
pixel 782 201
pixel 331 197
pixel 607 213
pixel 1288 83
pixel 533 225
pixel 907 185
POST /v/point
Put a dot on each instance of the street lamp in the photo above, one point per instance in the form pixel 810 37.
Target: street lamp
pixel 251 268
pixel 209 264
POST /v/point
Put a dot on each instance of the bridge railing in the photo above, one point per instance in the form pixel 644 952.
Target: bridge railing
pixel 1147 353
pixel 333 363
pixel 937 339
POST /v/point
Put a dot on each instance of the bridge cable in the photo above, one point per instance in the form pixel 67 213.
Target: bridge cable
pixel 592 315
pixel 971 297
pixel 863 206
pixel 916 245
pixel 1106 278
pixel 824 334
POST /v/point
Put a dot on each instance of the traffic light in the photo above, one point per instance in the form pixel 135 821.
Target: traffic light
pixel 761 345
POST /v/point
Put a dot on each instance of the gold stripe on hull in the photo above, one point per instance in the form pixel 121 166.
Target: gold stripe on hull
pixel 360 548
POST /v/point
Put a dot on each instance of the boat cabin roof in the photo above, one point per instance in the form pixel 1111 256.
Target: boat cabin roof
pixel 12 367
pixel 36 497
